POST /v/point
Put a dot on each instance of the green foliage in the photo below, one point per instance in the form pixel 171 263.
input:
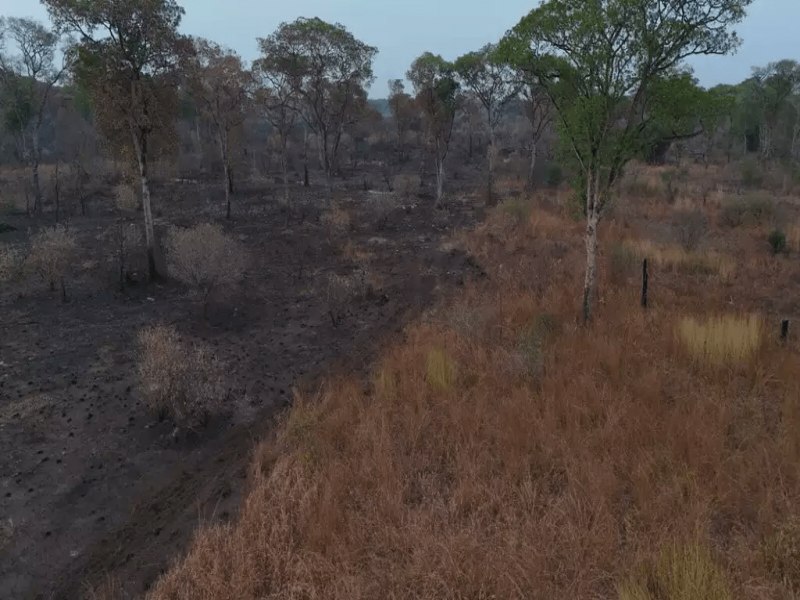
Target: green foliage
pixel 777 241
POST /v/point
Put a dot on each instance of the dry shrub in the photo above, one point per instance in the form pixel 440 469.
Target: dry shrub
pixel 406 186
pixel 341 291
pixel 691 227
pixel 337 221
pixel 11 262
pixel 725 340
pixel 682 572
pixel 178 379
pixel 125 198
pixel 747 211
pixel 52 255
pixel 793 238
pixel 206 259
pixel 382 205
pixel 782 554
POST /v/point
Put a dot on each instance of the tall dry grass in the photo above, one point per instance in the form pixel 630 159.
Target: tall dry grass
pixel 619 469
pixel 725 340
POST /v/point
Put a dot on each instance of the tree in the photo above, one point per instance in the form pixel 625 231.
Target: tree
pixel 275 96
pixel 493 82
pixel 773 90
pixel 127 56
pixel 28 78
pixel 219 84
pixel 404 114
pixel 436 88
pixel 598 61
pixel 328 69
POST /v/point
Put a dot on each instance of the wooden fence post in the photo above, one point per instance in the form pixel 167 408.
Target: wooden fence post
pixel 784 330
pixel 645 282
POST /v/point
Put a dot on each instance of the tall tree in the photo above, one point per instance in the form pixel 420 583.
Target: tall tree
pixel 404 113
pixel 276 98
pixel 28 77
pixel 773 88
pixel 329 70
pixel 599 61
pixel 219 84
pixel 437 93
pixel 494 84
pixel 128 55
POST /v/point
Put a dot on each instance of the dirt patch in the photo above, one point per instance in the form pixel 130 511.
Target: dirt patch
pixel 90 482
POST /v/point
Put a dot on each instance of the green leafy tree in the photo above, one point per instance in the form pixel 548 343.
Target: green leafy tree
pixel 29 70
pixel 772 91
pixel 329 70
pixel 128 55
pixel 219 84
pixel 494 84
pixel 600 63
pixel 437 91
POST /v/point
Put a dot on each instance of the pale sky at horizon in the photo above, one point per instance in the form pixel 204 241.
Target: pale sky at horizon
pixel 403 29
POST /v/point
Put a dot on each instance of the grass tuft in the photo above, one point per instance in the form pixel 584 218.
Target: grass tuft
pixel 725 340
pixel 440 370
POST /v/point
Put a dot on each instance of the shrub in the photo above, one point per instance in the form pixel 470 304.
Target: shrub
pixel 750 174
pixel 554 175
pixel 205 259
pixel 125 198
pixel 440 370
pixel 11 262
pixel 337 221
pixel 406 186
pixel 749 210
pixel 782 554
pixel 533 341
pixel 681 573
pixel 725 340
pixel 777 241
pixel 176 379
pixel 52 253
pixel 123 239
pixel 691 228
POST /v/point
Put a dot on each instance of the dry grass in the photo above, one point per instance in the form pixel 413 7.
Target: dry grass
pixel 793 238
pixel 679 259
pixel 177 379
pixel 619 466
pixel 685 572
pixel 726 340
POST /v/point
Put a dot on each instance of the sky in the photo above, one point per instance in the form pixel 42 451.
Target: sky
pixel 404 29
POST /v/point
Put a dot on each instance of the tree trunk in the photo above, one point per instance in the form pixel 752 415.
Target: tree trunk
pixel 57 193
pixel 285 168
pixel 592 219
pixel 490 155
pixel 532 167
pixel 439 180
pixel 140 146
pixel 37 188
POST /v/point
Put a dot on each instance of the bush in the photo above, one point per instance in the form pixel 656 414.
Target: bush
pixel 691 227
pixel 749 210
pixel 177 380
pixel 11 262
pixel 205 259
pixel 750 174
pixel 337 221
pixel 777 241
pixel 782 554
pixel 53 251
pixel 406 186
pixel 727 340
pixel 554 175
pixel 125 198
pixel 681 573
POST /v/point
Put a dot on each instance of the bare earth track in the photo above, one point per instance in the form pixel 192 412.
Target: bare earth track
pixel 90 482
